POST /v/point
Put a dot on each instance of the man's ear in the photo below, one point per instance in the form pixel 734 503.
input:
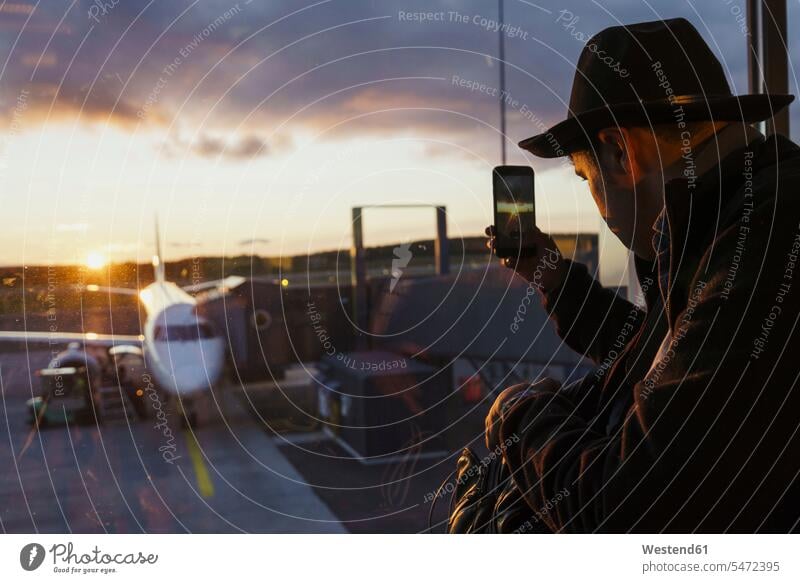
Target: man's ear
pixel 615 141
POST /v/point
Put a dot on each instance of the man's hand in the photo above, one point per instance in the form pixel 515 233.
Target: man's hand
pixel 544 267
pixel 505 400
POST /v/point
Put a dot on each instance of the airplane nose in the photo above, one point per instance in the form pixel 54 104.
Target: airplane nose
pixel 191 379
pixel 193 366
pixel 198 376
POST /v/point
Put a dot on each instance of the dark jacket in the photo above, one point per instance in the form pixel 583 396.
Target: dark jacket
pixel 706 440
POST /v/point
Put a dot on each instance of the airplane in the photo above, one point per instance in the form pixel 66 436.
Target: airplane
pixel 181 348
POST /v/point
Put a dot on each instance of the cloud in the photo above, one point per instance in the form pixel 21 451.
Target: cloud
pixel 253 242
pixel 100 105
pixel 184 245
pixel 213 146
pixel 247 147
pixel 338 68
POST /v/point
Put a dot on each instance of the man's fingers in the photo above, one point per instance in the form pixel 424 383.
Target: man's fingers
pixel 490 231
pixel 513 262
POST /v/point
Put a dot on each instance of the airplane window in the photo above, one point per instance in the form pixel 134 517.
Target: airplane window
pixel 184 333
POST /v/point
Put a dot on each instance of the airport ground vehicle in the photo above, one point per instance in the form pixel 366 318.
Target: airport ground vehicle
pixel 82 387
pixel 66 389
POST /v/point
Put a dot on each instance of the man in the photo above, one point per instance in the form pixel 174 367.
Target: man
pixel 691 421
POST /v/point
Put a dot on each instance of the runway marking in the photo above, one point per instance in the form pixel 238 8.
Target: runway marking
pixel 35 428
pixel 204 483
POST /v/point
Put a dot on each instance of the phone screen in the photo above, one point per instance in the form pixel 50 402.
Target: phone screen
pixel 514 212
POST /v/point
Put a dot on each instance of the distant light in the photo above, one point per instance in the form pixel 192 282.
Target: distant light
pixel 139 392
pixel 95 260
pixel 285 282
pixel 91 336
pixel 92 287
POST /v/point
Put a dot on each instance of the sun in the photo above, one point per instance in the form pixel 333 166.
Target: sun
pixel 95 260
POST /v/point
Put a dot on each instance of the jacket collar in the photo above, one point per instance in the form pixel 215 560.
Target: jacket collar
pixel 697 209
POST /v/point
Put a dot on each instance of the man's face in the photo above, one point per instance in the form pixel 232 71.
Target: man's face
pixel 629 209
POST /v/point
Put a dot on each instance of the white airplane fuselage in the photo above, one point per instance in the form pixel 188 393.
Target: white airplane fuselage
pixel 181 349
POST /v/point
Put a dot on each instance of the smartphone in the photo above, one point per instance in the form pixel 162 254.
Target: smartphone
pixel 514 209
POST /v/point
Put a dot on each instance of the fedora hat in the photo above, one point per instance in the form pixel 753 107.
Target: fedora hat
pixel 648 73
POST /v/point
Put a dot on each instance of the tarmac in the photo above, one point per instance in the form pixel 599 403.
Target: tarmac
pixel 142 476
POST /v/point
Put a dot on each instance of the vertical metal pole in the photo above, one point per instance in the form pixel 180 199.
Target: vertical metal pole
pixel 754 80
pixel 776 62
pixel 358 278
pixel 502 59
pixel 442 243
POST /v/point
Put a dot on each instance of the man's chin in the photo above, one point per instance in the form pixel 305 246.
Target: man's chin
pixel 643 251
pixel 623 236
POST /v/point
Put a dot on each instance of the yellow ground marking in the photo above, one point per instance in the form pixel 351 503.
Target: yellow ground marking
pixel 204 483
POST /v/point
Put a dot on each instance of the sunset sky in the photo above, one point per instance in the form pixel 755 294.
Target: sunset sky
pixel 255 127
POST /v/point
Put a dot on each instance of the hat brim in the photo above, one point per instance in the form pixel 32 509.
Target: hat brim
pixel 572 134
